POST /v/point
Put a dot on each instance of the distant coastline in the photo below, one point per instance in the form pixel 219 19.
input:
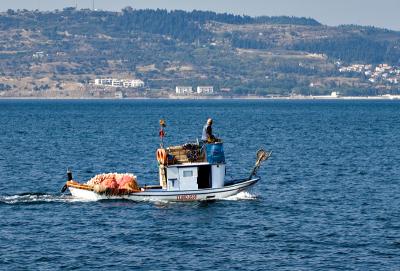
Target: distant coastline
pixel 78 53
pixel 192 97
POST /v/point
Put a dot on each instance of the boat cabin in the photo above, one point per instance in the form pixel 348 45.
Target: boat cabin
pixel 192 167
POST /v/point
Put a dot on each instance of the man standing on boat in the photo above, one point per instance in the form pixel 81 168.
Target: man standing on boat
pixel 207 135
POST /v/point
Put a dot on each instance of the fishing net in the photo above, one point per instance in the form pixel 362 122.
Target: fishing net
pixel 114 181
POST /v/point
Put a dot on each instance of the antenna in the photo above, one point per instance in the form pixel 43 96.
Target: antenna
pixel 92 4
pixel 76 4
pixel 162 132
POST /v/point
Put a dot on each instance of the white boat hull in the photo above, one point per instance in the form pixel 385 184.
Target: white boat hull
pixel 164 195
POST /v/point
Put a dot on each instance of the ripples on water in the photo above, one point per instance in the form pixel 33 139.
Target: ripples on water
pixel 328 200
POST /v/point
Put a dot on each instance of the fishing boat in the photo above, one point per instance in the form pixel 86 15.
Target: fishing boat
pixel 189 172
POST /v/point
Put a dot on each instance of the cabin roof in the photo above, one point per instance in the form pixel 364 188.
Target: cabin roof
pixel 190 164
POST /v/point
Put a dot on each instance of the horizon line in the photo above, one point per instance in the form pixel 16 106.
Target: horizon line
pixel 191 10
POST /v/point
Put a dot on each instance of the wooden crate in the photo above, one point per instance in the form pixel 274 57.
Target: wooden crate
pixel 180 155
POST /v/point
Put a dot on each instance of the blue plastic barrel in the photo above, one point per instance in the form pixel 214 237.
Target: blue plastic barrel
pixel 215 153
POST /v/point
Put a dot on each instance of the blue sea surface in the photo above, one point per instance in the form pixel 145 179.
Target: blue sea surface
pixel 329 197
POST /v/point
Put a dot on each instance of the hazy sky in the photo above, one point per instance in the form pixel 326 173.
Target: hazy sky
pixel 382 13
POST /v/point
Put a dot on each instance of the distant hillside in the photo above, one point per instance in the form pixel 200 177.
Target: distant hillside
pixel 261 55
pixel 187 26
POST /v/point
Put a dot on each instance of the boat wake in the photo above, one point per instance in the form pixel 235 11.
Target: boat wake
pixel 28 198
pixel 244 195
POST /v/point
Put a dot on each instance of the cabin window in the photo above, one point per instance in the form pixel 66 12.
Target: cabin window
pixel 187 173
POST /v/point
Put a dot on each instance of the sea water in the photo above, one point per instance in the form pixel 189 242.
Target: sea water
pixel 328 198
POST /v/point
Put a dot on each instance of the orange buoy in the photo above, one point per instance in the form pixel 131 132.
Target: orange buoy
pixel 161 155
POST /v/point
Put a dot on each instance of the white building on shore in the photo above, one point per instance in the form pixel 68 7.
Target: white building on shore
pixel 112 82
pixel 205 89
pixel 184 90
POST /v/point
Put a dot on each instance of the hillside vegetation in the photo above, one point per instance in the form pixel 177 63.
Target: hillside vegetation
pixel 61 50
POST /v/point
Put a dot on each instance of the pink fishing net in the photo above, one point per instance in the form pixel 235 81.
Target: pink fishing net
pixel 114 181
